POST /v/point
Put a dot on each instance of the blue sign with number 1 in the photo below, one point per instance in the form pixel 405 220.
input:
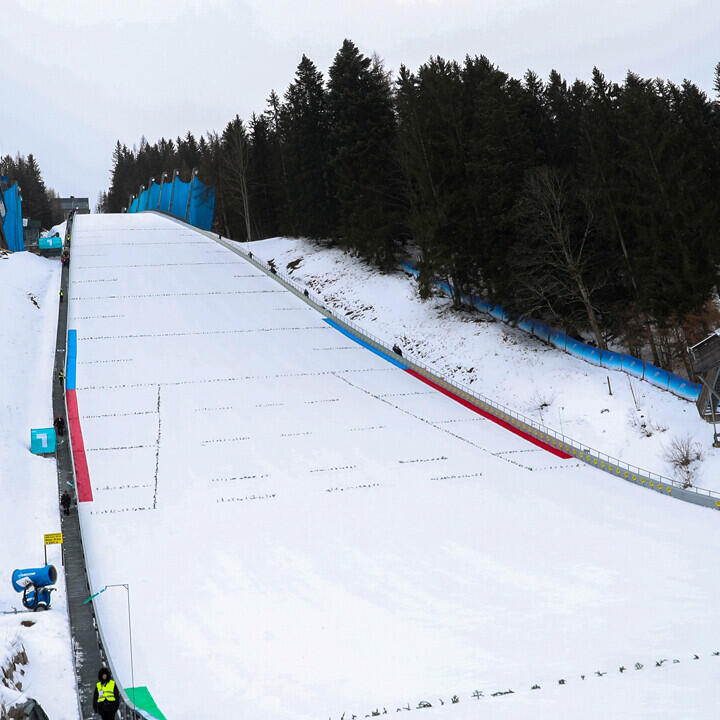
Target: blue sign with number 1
pixel 42 440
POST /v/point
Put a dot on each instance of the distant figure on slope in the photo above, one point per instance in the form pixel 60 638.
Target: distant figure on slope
pixel 65 502
pixel 397 350
pixel 105 699
pixel 62 296
pixel 59 425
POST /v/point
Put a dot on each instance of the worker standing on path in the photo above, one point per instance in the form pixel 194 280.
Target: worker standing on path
pixel 105 697
pixel 65 502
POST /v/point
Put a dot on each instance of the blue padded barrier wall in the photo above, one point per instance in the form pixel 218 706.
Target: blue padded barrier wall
pixel 657 376
pixel 633 366
pixel 558 339
pixel 525 324
pixel 541 331
pixel 606 358
pixel 174 198
pixel 611 360
pixel 181 192
pixel 165 194
pixel 683 388
pixel 153 196
pixel 202 205
pixel 12 225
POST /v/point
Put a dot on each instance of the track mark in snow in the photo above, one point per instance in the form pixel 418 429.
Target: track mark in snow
pixel 120 510
pixel 94 281
pixel 181 294
pixel 408 394
pixel 98 317
pixel 316 402
pixel 248 497
pixel 423 460
pixel 296 434
pixel 122 414
pixel 212 409
pixel 203 332
pixel 472 419
pixel 335 469
pixel 118 447
pixel 276 404
pixel 149 265
pixel 157 449
pixel 341 347
pixel 512 452
pixel 456 477
pixel 336 373
pixel 224 440
pixel 352 487
pixel 125 487
pixel 428 422
pixel 239 477
pixel 367 427
pixel 98 362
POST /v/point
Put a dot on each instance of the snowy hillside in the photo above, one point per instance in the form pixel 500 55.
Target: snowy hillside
pixel 298 514
pixel 637 423
pixel 29 288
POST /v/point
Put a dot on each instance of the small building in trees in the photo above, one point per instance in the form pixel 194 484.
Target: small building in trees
pixel 63 206
pixel 31 233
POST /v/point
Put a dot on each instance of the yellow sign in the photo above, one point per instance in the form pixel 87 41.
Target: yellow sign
pixel 53 539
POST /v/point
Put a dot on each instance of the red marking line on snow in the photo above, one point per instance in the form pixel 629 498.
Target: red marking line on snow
pixel 82 475
pixel 490 416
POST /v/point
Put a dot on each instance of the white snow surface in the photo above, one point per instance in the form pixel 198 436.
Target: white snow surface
pixel 28 483
pixel 308 531
pixel 504 363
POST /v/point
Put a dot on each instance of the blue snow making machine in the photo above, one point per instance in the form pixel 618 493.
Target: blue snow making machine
pixel 34 584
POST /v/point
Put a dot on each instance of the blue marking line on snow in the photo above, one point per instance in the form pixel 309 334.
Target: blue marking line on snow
pixel 359 341
pixel 70 360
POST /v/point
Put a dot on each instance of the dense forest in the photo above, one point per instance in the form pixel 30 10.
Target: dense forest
pixel 593 206
pixel 36 198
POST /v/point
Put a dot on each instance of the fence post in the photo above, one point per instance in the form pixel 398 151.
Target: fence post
pixel 192 184
pixel 172 191
pixel 162 185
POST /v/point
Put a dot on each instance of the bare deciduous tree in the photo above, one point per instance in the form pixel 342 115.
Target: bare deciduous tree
pixel 558 267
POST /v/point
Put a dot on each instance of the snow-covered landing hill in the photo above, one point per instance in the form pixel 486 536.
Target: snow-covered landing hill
pixel 29 288
pixel 637 423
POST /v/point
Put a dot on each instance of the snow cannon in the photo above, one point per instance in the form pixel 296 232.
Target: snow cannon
pixel 39 577
pixel 34 584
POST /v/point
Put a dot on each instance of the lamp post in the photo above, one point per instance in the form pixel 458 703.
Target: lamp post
pixel 127 589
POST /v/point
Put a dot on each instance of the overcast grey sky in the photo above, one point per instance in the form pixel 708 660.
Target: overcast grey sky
pixel 75 76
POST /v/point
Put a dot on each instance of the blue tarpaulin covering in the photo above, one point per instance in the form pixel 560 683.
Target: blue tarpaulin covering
pixel 165 194
pixel 181 192
pixel 174 198
pixel 202 205
pixel 153 196
pixel 12 225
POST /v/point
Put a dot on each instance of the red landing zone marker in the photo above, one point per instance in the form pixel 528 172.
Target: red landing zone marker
pixel 508 426
pixel 82 476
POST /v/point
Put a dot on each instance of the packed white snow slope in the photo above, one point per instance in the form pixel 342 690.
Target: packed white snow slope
pixel 29 288
pixel 308 531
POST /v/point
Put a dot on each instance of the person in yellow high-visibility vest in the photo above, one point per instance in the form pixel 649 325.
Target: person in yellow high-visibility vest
pixel 105 697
